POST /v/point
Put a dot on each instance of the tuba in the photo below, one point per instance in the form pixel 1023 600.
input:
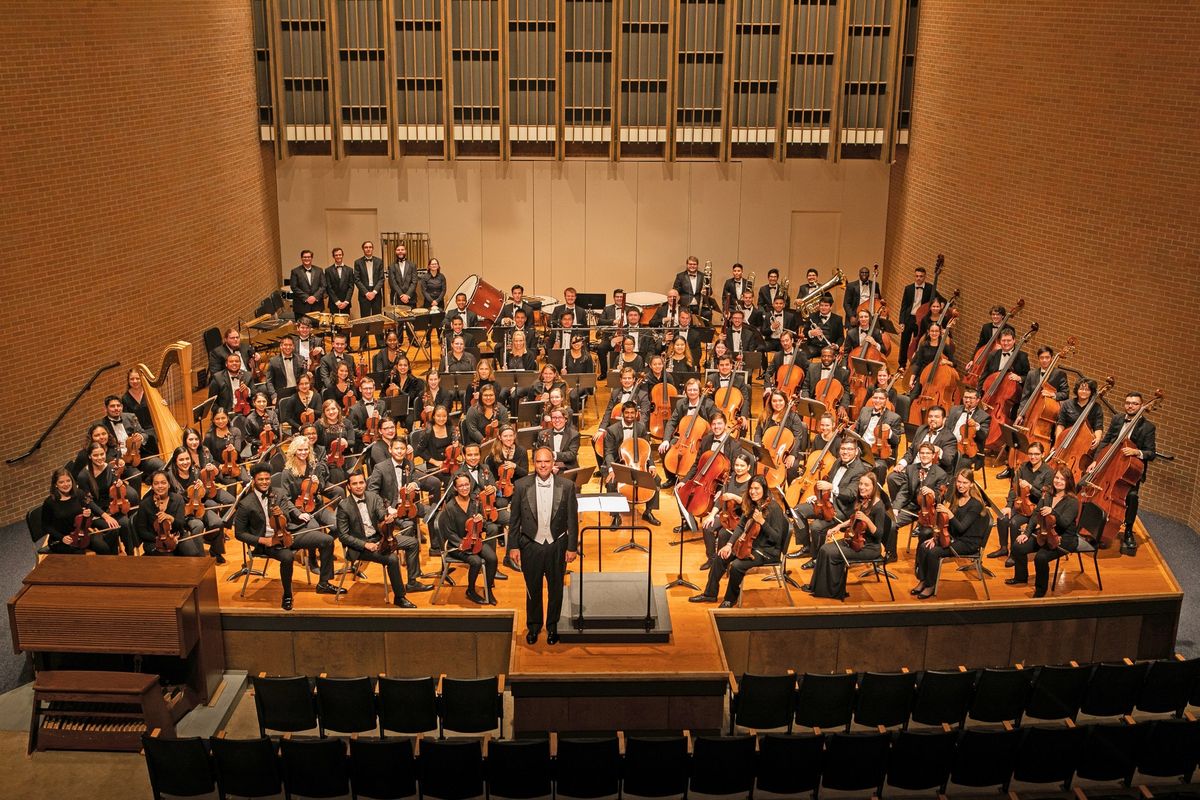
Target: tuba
pixel 808 304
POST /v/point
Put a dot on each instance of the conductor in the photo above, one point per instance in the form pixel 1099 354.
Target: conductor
pixel 544 538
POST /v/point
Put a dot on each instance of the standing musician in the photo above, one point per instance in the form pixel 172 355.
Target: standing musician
pixel 787 354
pixel 628 392
pixel 134 399
pixel 1070 410
pixel 725 378
pixel 339 283
pixel 777 322
pixel 915 294
pixel 999 359
pixel 232 345
pixel 368 277
pixel 285 368
pixel 402 279
pixel 1032 477
pixel 307 282
pixel 544 527
pixel 992 327
pixel 227 384
pixel 858 292
pixel 482 415
pixel 360 516
pixel 305 399
pixel 741 337
pixel 842 485
pixel 121 426
pixel 96 479
pixel 968 529
pixel 731 292
pixel 693 335
pixel 460 508
pixel 253 525
pixel 328 370
pixel 874 421
pixel 578 314
pixel 861 334
pixel 690 285
pixel 60 509
pixel 433 286
pixel 310 348
pixel 774 409
pixel 516 302
pixel 162 504
pixel 629 427
pixel 562 439
pixel 834 558
pixel 1143 439
pixel 758 509
pixel 770 290
pixel 956 421
pixel 613 316
pixel 715 532
pixel 692 402
pixel 825 329
pixel 1060 503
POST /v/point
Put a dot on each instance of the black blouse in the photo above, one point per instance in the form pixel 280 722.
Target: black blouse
pixel 58 515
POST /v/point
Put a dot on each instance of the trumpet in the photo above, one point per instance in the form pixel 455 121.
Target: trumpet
pixel 807 304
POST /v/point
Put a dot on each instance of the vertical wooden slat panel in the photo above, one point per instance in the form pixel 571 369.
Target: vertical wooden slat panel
pixel 896 72
pixel 275 71
pixel 448 87
pixel 501 34
pixel 784 86
pixel 834 152
pixel 387 35
pixel 731 57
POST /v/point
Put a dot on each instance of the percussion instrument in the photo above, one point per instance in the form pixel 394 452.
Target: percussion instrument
pixel 482 298
pixel 647 302
pixel 340 321
pixel 323 319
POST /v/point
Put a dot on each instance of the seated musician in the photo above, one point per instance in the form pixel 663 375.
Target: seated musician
pixel 384 359
pixel 754 316
pixel 301 464
pixel 433 286
pixel 725 378
pixel 861 334
pixel 770 290
pixel 261 417
pixel 309 347
pixel 679 357
pixel 121 426
pixel 396 471
pixel 998 360
pixel 740 337
pixel 578 313
pixel 230 386
pixel 224 434
pixel 842 486
pixel 774 324
pixel 787 355
pixel 694 335
pixel 430 446
pixel 484 376
pixel 776 413
pixel 991 328
pixel 666 317
pixel 628 357
pixel 134 399
pixel 579 361
pixel 835 556
pixel 505 452
pixel 645 342
pixel 1059 503
pixel 202 457
pixel 516 302
pixel 923 477
pixel 557 340
pixel 481 475
pixel 231 345
pixel 924 356
pixel 470 318
pixel 518 357
pixel 434 395
pixel 301 407
pixel 457 359
pixel 547 380
pixel 825 328
pixel 968 530
pixel 333 427
pixel 181 475
pixel 401 381
pixel 956 421
pixel 97 478
pixel 628 392
pixel 253 525
pixel 97 434
pixel 285 368
pixel 693 402
pixel 875 421
pixel 1032 477
pixel 1056 386
pixel 458 327
pixel 557 399
pixel 484 418
pixel 718 438
pixel 829 367
pixel 611 324
pixel 328 369
pixel 713 527
pixel 340 390
pixel 1143 438
pixel 162 504
pixel 561 438
pixel 520 323
pixel 367 407
pixel 936 316
pixel 359 518
pixel 460 507
pixel 62 505
pixel 812 282
pixel 934 432
pixel 757 507
pixel 378 451
pixel 1070 410
pixel 656 371
pixel 629 427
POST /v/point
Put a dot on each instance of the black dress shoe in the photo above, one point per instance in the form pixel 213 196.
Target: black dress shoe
pixel 510 564
pixel 474 597
pixel 491 598
pixel 924 595
pixel 220 559
pixel 812 562
pixel 915 591
pixel 668 483
pixel 531 637
pixel 1016 581
pixel 649 517
pixel 329 588
pixel 705 565
pixel 286 605
pixel 1008 562
pixel 404 602
pixel 702 598
pixel 999 553
pixel 679 529
pixel 808 587
pixel 1004 474
pixel 804 551
pixel 726 604
pixel 500 576
pixel 551 636
pixel 614 519
pixel 417 587
pixel 796 554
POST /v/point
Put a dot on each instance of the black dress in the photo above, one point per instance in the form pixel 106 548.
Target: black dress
pixel 58 519
pixel 829 573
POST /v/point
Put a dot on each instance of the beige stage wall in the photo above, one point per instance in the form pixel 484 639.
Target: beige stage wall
pixel 591 224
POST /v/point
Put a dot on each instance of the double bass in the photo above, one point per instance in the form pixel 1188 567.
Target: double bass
pixel 698 493
pixel 922 312
pixel 873 304
pixel 940 383
pixel 973 374
pixel 1000 395
pixel 1038 415
pixel 1075 445
pixel 1113 474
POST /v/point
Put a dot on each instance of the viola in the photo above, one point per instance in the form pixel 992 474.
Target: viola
pixel 195 500
pixel 80 536
pixel 229 457
pixel 1047 533
pixel 1074 447
pixel 453 455
pixel 306 501
pixel 335 456
pixel 941 528
pixel 969 446
pixel 823 505
pixel 882 449
pixel 266 439
pixel 241 400
pixel 360 371
pixel 662 397
pixel 308 416
pixel 731 511
pixel 386 529
pixel 504 479
pixel 856 538
pixel 743 546
pixel 427 408
pixel 487 504
pixel 348 401
pixel 208 479
pixel 491 429
pixel 1000 395
pixel 282 536
pixel 133 449
pixel 165 538
pixel 927 509
pixel 472 540
pixel 118 493
pixel 372 431
pixel 406 503
pixel 974 371
pixel 1113 474
pixel 1023 503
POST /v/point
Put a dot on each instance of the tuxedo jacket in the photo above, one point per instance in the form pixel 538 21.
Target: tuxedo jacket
pixel 614 435
pixel 731 293
pixel 402 279
pixel 568 451
pixel 564 512
pixel 906 494
pixel 383 479
pixel 217 356
pixel 812 376
pixel 854 339
pixel 730 447
pixel 339 288
pixel 766 294
pixel 360 275
pixel 855 295
pixel 751 339
pixel 707 409
pixel 641 396
pixel 906 301
pixel 221 387
pixel 1143 436
pixel 249 521
pixel 1057 382
pixel 1020 364
pixel 275 374
pixel 889 418
pixel 350 530
pixel 799 358
pixel 943 439
pixel 683 285
pixel 791 322
pixel 303 285
pixel 832 328
pixel 847 485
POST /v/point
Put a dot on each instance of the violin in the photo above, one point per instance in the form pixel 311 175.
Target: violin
pixel 662 397
pixel 969 446
pixel 927 508
pixel 386 529
pixel 453 455
pixel 504 479
pixel 165 538
pixel 823 505
pixel 195 500
pixel 941 529
pixel 1000 395
pixel 282 536
pixel 306 501
pixel 743 546
pixel 487 504
pixel 308 416
pixel 360 371
pixel 1023 503
pixel 406 503
pixel 118 493
pixel 698 493
pixel 372 431
pixel 882 448
pixel 133 449
pixel 229 457
pixel 241 400
pixel 348 401
pixel 427 408
pixel 492 429
pixel 856 537
pixel 335 456
pixel 208 479
pixel 80 536
pixel 974 371
pixel 731 511
pixel 1047 533
pixel 472 540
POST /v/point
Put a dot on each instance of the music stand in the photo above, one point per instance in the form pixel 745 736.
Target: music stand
pixel 638 479
pixel 1011 437
pixel 527 437
pixel 458 382
pixel 681 579
pixel 807 407
pixel 864 449
pixel 420 331
pixel 580 476
pixel 751 361
pixel 361 328
pixel 529 413
pixel 867 368
pixel 396 407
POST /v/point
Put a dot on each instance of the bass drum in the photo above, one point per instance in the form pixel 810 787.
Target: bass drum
pixel 647 302
pixel 482 298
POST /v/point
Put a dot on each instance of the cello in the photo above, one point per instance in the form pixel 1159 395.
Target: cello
pixel 973 373
pixel 830 391
pixel 778 439
pixel 1000 394
pixel 1074 446
pixel 697 494
pixel 635 453
pixel 683 453
pixel 729 399
pixel 940 384
pixel 922 312
pixel 789 378
pixel 817 465
pixel 1113 474
pixel 1038 415
pixel 662 397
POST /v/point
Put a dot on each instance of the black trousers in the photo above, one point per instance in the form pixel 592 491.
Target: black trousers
pixel 737 569
pixel 307 537
pixel 1043 557
pixel 906 336
pixel 1007 528
pixel 484 560
pixel 391 563
pixel 929 559
pixel 548 563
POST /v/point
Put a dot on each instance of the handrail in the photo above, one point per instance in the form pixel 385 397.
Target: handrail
pixel 38 444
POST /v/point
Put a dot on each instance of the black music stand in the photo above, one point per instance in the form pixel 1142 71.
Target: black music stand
pixel 420 332
pixel 580 476
pixel 529 413
pixel 610 504
pixel 680 578
pixel 866 367
pixel 396 407
pixel 527 437
pixel 807 407
pixel 864 448
pixel 638 479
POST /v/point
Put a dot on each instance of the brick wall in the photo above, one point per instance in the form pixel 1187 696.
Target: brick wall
pixel 1053 156
pixel 138 205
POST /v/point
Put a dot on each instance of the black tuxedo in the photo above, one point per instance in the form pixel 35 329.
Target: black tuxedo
pixel 664 316
pixel 981 417
pixel 812 376
pixel 857 294
pixel 1057 381
pixel 543 564
pixel 943 439
pixel 791 322
pixel 831 328
pixel 799 358
pixel 737 381
pixel 220 386
pixel 694 336
pixel 402 279
pixel 766 296
pixel 353 536
pixel 985 334
pixel 304 285
pixel 276 375
pixel 750 339
pixel 339 287
pixel 470 318
pixel 707 409
pixel 372 283
pixel 327 370
pixel 383 480
pixel 731 292
pixel 730 447
pixel 689 297
pixel 250 523
pixel 217 356
pixel 889 418
pixel 641 396
pixel 510 308
pixel 1020 364
pixel 847 485
pixel 568 450
pixel 911 483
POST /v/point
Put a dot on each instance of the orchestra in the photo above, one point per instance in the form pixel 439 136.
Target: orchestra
pixel 303 447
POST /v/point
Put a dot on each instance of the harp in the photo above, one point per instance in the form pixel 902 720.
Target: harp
pixel 169 398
